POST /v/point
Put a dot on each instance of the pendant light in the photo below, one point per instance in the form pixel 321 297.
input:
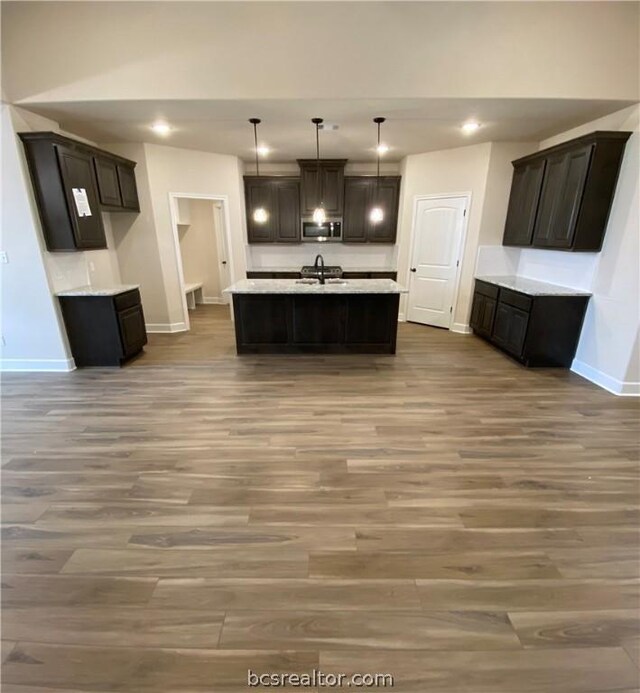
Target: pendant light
pixel 319 215
pixel 376 215
pixel 260 214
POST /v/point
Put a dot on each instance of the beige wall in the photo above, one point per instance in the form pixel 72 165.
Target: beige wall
pixel 137 244
pixel 608 348
pixel 75 51
pixel 198 248
pixel 462 170
pixel 173 170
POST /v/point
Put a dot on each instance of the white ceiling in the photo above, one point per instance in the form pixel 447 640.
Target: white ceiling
pixel 413 126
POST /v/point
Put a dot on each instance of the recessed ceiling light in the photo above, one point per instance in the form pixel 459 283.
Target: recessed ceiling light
pixel 263 150
pixel 161 128
pixel 470 126
pixel 382 149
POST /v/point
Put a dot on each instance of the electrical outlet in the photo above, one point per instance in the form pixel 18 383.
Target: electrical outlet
pixel 4 258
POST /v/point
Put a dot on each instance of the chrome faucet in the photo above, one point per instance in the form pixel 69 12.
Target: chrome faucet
pixel 315 264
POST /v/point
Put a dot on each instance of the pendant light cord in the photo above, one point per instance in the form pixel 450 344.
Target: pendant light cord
pixel 318 177
pixel 378 167
pixel 255 139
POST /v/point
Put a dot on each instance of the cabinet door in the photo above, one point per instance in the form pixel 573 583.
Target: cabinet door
pixel 483 312
pixel 510 328
pixel 386 195
pixel 259 193
pixel 523 203
pixel 287 195
pixel 108 184
pixel 76 169
pixel 477 307
pixel 132 330
pixel 332 189
pixel 309 185
pixel 128 188
pixel 357 200
pixel 327 183
pixel 561 196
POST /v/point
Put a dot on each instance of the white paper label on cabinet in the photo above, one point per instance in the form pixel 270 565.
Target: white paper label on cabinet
pixel 82 202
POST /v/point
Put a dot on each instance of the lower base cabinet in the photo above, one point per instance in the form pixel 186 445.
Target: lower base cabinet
pixel 104 330
pixel 540 330
pixel 316 324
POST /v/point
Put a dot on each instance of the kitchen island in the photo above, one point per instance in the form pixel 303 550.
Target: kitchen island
pixel 289 316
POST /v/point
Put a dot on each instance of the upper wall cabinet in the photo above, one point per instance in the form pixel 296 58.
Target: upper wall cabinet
pixel 73 183
pixel 561 197
pixel 280 197
pixel 361 194
pixel 325 185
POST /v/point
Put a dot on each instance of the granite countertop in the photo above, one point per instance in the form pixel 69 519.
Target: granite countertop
pixel 344 269
pixel 532 287
pixel 291 286
pixel 88 290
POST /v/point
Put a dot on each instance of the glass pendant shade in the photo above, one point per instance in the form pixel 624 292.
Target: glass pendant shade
pixel 319 215
pixel 260 215
pixel 376 215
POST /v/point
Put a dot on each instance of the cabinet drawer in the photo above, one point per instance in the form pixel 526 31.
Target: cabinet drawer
pixel 490 290
pixel 513 298
pixel 127 300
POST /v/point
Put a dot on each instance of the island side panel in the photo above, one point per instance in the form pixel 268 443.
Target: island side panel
pixel 323 324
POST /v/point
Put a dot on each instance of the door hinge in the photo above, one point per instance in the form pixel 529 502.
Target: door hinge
pixel 451 309
pixel 457 263
pixel 464 213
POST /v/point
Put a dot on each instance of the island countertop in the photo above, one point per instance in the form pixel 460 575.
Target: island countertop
pixel 293 286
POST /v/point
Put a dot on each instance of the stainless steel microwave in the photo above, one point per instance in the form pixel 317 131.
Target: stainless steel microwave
pixel 329 231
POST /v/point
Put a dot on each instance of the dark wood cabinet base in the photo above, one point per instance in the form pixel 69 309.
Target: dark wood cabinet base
pixel 104 330
pixel 316 324
pixel 540 330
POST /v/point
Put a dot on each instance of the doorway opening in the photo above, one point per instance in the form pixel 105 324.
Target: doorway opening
pixel 438 235
pixel 203 249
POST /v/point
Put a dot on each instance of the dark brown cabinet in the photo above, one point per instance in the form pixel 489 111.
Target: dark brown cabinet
pixel 523 202
pixel 562 191
pixel 316 324
pixel 104 330
pixel 325 185
pixel 107 179
pixel 537 330
pixel 362 193
pixel 73 182
pixel 128 187
pixel 76 173
pixel 280 197
pixel 561 197
pixel 483 309
pixel 116 185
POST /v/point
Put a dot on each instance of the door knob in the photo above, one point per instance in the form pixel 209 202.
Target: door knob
pixel 413 269
pixel 224 262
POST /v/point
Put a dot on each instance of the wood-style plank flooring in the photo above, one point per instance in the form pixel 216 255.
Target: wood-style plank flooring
pixel 445 516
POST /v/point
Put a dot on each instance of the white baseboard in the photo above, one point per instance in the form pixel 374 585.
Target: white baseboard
pixel 213 300
pixel 613 385
pixel 166 327
pixel 402 317
pixel 460 328
pixel 38 365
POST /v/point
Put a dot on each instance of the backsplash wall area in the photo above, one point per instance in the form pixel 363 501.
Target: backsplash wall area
pixel 383 257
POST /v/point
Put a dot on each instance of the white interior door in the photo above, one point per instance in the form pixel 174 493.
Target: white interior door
pixel 223 260
pixel 437 240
